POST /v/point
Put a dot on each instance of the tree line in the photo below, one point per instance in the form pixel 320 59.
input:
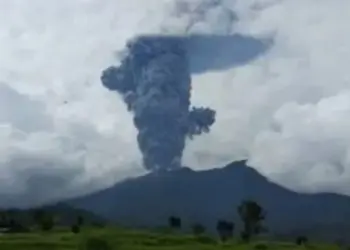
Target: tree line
pixel 249 211
pixel 20 221
pixel 252 216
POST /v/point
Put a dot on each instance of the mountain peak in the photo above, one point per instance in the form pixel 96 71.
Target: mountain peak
pixel 205 196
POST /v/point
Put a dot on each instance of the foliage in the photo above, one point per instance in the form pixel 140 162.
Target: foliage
pixel 47 223
pixel 174 222
pixel 301 240
pixel 38 215
pixel 225 229
pixel 75 229
pixel 62 215
pixel 80 220
pixel 129 239
pixel 252 215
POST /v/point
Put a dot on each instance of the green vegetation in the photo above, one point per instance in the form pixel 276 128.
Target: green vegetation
pixel 225 230
pixel 126 239
pixel 252 215
pixel 174 222
pixel 64 228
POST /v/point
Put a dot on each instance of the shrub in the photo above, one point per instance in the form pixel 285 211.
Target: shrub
pixel 16 227
pixel 174 222
pixel 75 229
pixel 225 229
pixel 80 220
pixel 47 224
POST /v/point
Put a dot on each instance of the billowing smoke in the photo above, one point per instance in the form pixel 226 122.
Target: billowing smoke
pixel 155 83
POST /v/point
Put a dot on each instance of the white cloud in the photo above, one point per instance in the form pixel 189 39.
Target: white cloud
pixel 55 117
pixel 286 111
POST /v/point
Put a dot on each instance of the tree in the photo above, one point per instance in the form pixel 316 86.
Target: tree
pixel 198 229
pixel 252 215
pixel 44 219
pixel 301 240
pixel 47 223
pixel 80 220
pixel 225 229
pixel 15 226
pixel 174 222
pixel 4 219
pixel 38 216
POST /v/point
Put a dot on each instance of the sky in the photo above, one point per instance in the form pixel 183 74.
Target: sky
pixel 287 111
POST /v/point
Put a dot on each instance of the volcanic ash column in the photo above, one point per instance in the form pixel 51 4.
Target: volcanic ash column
pixel 155 83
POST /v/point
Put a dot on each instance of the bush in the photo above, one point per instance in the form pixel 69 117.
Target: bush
pixel 95 244
pixel 16 227
pixel 174 222
pixel 225 229
pixel 47 224
pixel 75 229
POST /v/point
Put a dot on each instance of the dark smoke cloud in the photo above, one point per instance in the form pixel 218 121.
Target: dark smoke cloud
pixel 155 83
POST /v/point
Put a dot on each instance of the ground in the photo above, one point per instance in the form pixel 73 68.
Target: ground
pixel 62 239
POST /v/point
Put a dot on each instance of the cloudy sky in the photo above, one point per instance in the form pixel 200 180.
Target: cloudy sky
pixel 287 111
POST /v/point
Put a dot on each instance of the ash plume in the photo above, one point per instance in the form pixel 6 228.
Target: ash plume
pixel 155 83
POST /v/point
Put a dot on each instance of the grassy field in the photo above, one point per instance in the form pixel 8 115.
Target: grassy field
pixel 63 239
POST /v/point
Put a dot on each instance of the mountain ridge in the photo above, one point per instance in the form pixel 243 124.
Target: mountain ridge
pixel 209 195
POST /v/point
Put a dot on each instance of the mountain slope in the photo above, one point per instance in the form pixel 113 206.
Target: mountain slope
pixel 64 215
pixel 210 195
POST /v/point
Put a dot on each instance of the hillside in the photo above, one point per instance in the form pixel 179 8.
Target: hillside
pixel 206 196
